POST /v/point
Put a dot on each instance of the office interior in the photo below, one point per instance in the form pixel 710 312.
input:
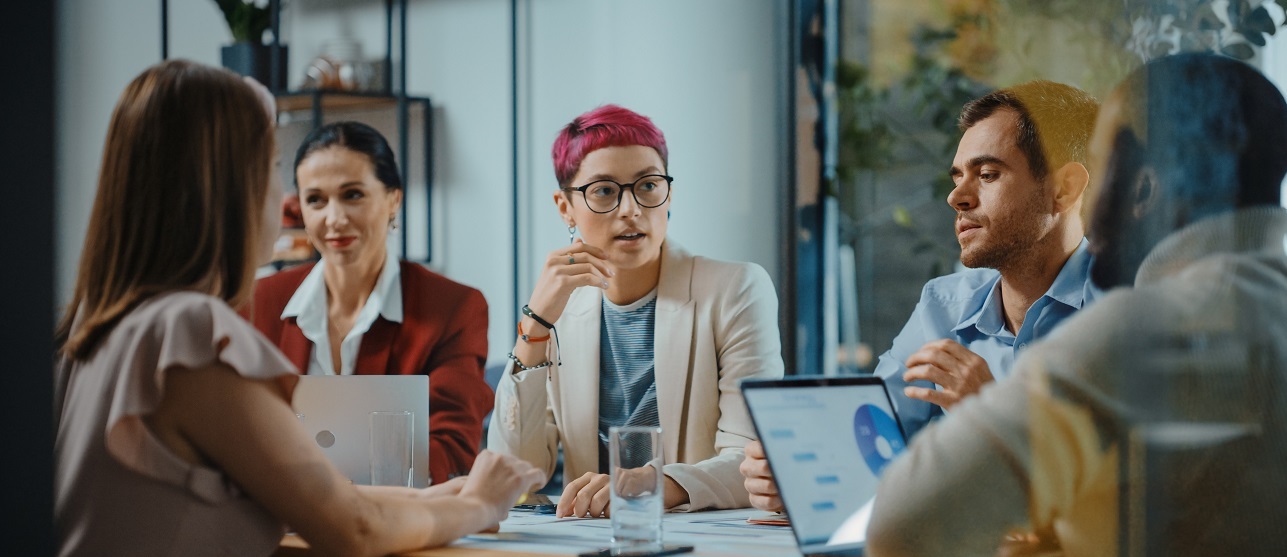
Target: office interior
pixel 811 137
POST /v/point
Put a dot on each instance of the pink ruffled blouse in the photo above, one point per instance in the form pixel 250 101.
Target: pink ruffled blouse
pixel 118 489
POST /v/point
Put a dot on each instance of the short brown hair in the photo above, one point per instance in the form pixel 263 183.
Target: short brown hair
pixel 180 198
pixel 1055 121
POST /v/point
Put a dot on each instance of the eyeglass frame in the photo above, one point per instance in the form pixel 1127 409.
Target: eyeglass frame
pixel 621 192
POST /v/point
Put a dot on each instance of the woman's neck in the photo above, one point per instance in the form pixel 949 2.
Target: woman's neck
pixel 349 286
pixel 632 284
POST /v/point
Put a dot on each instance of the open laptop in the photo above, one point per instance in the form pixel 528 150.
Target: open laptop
pixel 334 409
pixel 827 440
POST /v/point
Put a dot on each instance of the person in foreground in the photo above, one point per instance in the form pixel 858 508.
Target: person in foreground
pixel 625 327
pixel 361 311
pixel 1153 422
pixel 1020 173
pixel 175 434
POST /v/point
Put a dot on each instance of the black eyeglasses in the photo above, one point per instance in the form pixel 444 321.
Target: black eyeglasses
pixel 604 196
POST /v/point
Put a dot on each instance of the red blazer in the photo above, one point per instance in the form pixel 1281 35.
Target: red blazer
pixel 443 334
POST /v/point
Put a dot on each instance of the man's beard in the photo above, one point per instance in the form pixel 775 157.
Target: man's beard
pixel 999 255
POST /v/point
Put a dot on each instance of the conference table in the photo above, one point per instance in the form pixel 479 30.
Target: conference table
pixel 711 533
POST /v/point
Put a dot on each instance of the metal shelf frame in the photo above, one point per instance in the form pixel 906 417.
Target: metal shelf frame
pixel 322 100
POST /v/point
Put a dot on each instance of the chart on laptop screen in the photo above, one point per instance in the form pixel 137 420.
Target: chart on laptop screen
pixel 827 446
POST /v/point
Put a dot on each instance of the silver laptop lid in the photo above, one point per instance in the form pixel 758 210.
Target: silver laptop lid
pixel 827 440
pixel 335 409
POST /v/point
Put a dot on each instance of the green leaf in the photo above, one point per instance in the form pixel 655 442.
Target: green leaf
pixel 1241 51
pixel 1207 20
pixel 1254 37
pixel 902 217
pixel 1160 49
pixel 1259 20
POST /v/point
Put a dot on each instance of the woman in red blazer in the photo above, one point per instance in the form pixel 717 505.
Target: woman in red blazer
pixel 361 311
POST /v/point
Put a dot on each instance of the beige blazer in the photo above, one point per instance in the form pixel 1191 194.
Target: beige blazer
pixel 716 325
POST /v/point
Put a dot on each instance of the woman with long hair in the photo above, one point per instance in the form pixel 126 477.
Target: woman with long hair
pixel 175 434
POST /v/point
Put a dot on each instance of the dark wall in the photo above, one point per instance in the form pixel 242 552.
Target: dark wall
pixel 27 277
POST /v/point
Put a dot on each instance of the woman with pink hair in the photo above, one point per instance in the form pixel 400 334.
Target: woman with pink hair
pixel 624 327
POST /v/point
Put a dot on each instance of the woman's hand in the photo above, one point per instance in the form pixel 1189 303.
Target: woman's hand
pixel 449 487
pixel 565 270
pixel 496 481
pixel 588 495
pixel 591 494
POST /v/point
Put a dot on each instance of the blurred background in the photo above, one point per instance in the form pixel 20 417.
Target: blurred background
pixel 812 137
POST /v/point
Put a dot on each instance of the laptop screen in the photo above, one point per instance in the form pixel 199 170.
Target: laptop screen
pixel 827 441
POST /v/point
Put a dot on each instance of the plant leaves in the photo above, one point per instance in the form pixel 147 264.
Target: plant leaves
pixel 1259 20
pixel 902 217
pixel 1241 51
pixel 1254 37
pixel 1207 19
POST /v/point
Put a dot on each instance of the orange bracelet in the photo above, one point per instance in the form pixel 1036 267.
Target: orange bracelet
pixel 529 339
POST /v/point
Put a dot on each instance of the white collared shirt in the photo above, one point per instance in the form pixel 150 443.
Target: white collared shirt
pixel 308 307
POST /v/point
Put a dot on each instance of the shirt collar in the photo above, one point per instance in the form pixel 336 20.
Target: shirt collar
pixel 1069 288
pixel 986 316
pixel 1070 284
pixel 309 301
pixel 1244 231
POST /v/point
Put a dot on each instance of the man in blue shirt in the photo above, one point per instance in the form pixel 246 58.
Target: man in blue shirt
pixel 1020 172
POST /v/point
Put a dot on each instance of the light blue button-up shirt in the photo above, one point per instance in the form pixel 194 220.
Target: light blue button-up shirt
pixel 966 307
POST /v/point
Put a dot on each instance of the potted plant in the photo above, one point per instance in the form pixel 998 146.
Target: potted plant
pixel 248 55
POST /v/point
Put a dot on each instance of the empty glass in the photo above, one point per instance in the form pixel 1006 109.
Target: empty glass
pixel 391 458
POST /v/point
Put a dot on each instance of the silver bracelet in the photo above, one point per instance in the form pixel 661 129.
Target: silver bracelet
pixel 522 367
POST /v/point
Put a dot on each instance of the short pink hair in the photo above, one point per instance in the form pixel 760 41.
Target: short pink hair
pixel 606 126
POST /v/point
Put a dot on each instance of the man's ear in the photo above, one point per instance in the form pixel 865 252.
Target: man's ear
pixel 1070 184
pixel 1144 192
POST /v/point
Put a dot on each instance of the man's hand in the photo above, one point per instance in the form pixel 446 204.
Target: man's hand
pixel 958 371
pixel 759 480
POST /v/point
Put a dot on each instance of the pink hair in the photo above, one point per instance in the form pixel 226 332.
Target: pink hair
pixel 606 126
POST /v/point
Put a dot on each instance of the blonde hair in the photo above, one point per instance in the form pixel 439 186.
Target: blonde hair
pixel 180 198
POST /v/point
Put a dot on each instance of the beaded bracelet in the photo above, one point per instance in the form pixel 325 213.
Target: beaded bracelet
pixel 522 367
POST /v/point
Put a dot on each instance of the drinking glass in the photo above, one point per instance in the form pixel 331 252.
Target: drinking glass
pixel 635 460
pixel 391 459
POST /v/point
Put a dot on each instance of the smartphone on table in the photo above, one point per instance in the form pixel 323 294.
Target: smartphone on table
pixel 654 552
pixel 537 503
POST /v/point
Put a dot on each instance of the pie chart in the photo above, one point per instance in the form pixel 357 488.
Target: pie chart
pixel 878 437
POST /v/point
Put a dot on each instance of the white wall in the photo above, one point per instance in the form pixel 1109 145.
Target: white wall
pixel 1273 61
pixel 716 60
pixel 101 47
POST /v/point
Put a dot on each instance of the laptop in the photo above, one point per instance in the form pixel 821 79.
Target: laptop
pixel 827 440
pixel 334 410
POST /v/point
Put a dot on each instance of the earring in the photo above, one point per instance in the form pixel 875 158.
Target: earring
pixel 392 224
pixel 571 233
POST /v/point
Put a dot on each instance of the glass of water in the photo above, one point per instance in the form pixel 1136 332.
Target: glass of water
pixel 391 459
pixel 638 487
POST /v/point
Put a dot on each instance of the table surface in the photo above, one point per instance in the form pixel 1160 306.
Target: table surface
pixel 712 533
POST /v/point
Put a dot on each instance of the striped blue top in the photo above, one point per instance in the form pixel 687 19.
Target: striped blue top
pixel 627 386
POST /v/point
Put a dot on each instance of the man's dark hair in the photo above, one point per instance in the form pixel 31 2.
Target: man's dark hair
pixel 1214 130
pixel 1055 121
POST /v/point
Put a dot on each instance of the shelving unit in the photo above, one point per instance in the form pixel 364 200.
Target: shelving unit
pixel 319 102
